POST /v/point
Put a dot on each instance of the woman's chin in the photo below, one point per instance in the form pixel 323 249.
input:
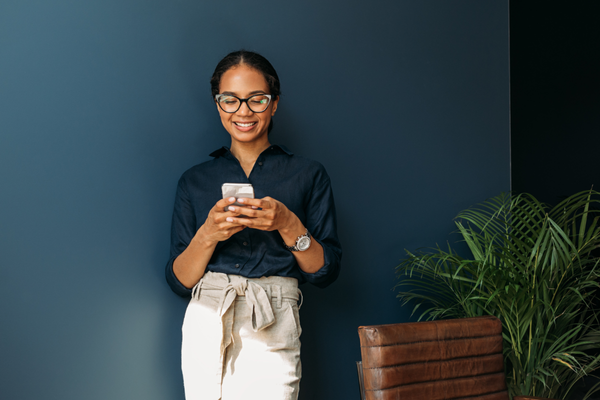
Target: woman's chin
pixel 248 137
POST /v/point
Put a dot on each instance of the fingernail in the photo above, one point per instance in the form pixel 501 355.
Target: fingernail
pixel 231 208
pixel 232 199
pixel 229 219
pixel 241 200
pixel 254 207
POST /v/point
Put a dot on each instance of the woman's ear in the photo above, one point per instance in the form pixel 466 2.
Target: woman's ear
pixel 275 103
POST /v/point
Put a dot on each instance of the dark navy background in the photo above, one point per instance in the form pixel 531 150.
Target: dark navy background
pixel 104 104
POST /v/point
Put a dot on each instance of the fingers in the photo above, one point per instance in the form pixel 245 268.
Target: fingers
pixel 221 204
pixel 232 215
pixel 225 206
pixel 226 231
pixel 239 210
pixel 223 209
pixel 227 220
pixel 246 211
pixel 262 224
pixel 235 229
pixel 264 214
pixel 263 203
pixel 226 224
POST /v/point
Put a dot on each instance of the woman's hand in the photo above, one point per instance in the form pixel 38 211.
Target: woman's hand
pixel 266 214
pixel 219 224
pixel 191 264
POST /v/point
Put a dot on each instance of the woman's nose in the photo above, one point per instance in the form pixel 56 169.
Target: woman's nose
pixel 244 109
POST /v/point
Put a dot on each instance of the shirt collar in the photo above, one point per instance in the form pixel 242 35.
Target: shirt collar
pixel 273 148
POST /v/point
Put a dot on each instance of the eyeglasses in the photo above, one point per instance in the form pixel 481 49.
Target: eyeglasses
pixel 230 104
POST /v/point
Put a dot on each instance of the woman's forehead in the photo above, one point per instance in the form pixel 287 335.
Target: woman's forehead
pixel 243 80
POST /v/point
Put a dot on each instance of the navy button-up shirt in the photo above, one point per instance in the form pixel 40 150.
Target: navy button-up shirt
pixel 301 184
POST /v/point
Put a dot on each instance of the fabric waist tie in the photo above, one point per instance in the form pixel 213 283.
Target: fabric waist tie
pixel 258 293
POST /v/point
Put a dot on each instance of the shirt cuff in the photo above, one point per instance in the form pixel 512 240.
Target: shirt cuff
pixel 330 270
pixel 174 283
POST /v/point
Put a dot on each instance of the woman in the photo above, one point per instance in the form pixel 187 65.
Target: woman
pixel 241 263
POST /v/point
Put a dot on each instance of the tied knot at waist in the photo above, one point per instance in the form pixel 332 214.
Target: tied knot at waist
pixel 239 287
pixel 257 293
pixel 256 298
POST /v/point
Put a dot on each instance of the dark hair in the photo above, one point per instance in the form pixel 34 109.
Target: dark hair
pixel 252 60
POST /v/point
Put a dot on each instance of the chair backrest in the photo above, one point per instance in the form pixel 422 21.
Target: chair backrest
pixel 449 359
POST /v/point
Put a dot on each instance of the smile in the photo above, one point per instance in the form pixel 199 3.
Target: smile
pixel 245 125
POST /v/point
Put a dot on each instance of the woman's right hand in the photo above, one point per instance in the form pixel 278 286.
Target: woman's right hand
pixel 216 228
pixel 190 265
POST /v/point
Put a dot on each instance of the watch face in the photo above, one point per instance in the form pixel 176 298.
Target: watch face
pixel 303 243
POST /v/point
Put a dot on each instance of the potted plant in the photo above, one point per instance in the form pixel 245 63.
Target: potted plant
pixel 534 267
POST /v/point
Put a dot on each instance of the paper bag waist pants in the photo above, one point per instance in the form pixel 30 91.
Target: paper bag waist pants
pixel 241 339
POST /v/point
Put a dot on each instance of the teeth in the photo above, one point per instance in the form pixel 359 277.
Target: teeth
pixel 245 125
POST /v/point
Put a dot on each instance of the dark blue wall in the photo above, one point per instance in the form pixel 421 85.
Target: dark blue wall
pixel 103 104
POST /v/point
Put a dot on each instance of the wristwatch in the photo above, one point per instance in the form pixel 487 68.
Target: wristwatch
pixel 302 243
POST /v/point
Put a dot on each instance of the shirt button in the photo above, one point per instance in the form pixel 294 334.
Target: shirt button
pixel 245 243
pixel 260 163
pixel 237 265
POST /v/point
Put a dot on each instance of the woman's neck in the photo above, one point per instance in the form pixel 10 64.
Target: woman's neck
pixel 247 153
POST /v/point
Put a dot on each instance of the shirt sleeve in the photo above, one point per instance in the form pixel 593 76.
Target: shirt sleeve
pixel 183 229
pixel 322 225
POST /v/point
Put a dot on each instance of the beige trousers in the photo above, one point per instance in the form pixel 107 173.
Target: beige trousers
pixel 241 339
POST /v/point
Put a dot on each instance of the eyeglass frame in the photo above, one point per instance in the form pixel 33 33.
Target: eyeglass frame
pixel 243 101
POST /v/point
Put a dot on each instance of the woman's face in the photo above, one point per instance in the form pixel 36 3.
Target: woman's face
pixel 244 125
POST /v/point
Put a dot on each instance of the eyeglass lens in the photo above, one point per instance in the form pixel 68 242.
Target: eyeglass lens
pixel 231 104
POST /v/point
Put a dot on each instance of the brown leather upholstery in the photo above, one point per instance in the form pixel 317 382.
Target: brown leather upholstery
pixel 450 359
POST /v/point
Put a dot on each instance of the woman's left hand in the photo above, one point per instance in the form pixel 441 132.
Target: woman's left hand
pixel 266 214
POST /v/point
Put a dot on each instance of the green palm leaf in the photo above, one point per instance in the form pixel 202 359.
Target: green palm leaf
pixel 536 269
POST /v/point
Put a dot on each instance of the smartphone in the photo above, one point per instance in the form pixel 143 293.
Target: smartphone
pixel 237 190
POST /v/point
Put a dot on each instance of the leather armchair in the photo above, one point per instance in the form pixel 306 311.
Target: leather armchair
pixel 437 360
